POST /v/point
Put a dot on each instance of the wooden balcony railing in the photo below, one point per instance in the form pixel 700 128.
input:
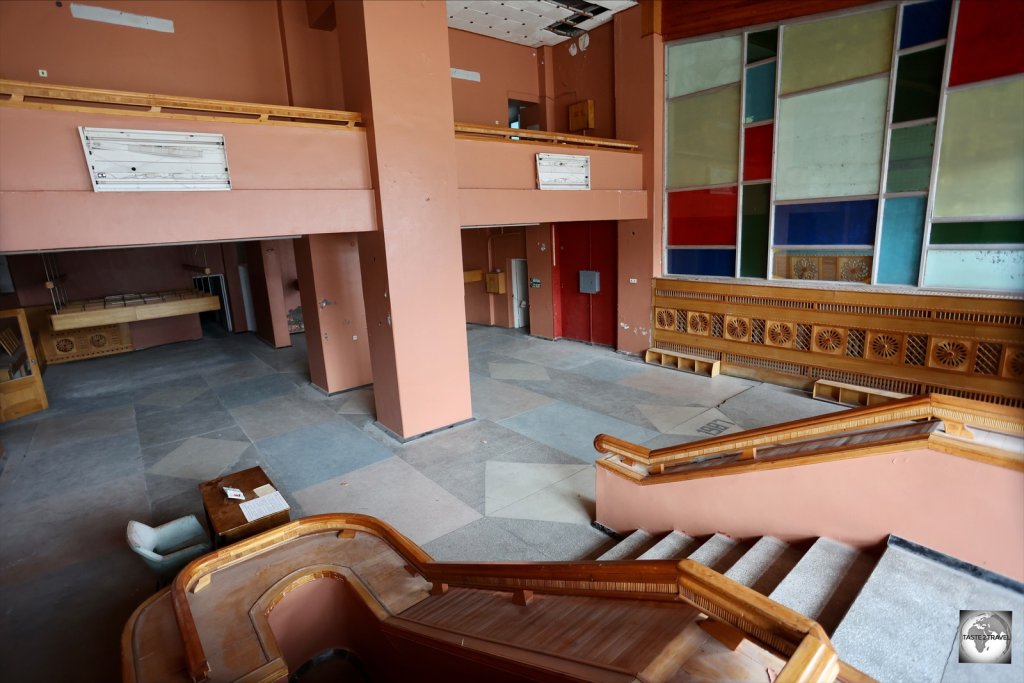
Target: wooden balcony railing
pixel 472 130
pixel 957 414
pixel 74 98
pixel 773 626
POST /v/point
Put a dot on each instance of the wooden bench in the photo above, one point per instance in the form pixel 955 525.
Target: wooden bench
pixel 684 362
pixel 851 394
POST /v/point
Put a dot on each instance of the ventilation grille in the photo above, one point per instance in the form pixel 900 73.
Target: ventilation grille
pixel 689 350
pixel 803 338
pixel 717 323
pixel 855 343
pixel 757 331
pixel 875 310
pixel 777 303
pixel 767 364
pixel 699 296
pixel 917 350
pixel 986 361
pixel 976 396
pixel 988 318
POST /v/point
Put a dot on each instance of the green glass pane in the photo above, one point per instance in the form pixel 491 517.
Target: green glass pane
pixel 754 237
pixel 829 142
pixel 991 232
pixel 835 50
pixel 910 158
pixel 902 231
pixel 998 269
pixel 703 139
pixel 762 45
pixel 981 157
pixel 698 66
pixel 760 95
pixel 918 82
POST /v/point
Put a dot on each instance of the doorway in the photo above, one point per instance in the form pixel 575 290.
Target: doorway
pixel 588 312
pixel 214 284
pixel 520 294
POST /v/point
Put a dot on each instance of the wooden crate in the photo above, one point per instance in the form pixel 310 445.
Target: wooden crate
pixel 684 362
pixel 85 342
pixel 851 394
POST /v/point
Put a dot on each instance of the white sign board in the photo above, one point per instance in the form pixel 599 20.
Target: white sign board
pixel 154 160
pixel 563 172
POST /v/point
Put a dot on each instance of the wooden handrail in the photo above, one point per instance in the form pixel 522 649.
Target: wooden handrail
pixel 774 626
pixel 497 132
pixel 956 412
pixel 18 91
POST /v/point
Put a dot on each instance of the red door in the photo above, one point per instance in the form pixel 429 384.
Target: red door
pixel 587 246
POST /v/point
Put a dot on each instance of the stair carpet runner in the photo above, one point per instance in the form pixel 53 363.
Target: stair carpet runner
pixel 894 617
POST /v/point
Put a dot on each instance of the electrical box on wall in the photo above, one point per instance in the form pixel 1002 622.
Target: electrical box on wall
pixel 494 283
pixel 590 282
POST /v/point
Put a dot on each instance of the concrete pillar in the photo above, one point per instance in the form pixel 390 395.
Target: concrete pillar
pixel 395 66
pixel 267 290
pixel 639 116
pixel 332 308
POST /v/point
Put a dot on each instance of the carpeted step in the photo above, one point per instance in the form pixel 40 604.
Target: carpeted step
pixel 672 546
pixel 629 547
pixel 718 552
pixel 762 557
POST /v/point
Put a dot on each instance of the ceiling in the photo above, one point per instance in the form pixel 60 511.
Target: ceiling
pixel 533 23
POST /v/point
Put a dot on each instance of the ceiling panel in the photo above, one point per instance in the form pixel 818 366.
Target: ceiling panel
pixel 526 22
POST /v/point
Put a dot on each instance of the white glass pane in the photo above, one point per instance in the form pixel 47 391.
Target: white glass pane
pixel 829 142
pixel 703 65
pixel 975 269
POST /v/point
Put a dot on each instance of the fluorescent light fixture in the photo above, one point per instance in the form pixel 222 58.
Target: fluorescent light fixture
pixel 465 74
pixel 111 16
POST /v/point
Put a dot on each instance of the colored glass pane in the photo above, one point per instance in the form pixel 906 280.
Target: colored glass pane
pixel 835 223
pixel 910 158
pixel 702 261
pixel 707 64
pixel 757 152
pixel 829 142
pixel 762 45
pixel 703 138
pixel 981 159
pixel 988 41
pixel 999 269
pixel 899 256
pixel 834 50
pixel 760 95
pixel 754 238
pixel 990 232
pixel 702 217
pixel 918 82
pixel 923 23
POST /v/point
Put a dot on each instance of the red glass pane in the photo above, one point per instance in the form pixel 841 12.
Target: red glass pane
pixel 757 153
pixel 699 217
pixel 989 40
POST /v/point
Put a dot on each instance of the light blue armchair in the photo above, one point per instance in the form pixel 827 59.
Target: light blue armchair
pixel 168 547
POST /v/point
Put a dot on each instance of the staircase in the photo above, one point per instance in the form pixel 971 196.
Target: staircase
pixel 892 613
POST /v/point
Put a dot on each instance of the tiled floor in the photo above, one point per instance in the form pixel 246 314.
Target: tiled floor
pixel 130 437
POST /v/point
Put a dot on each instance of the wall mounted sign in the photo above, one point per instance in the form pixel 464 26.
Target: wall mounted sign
pixel 563 172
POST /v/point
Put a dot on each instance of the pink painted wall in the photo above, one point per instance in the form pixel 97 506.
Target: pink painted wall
pixel 289 275
pixel 336 335
pixel 488 250
pixel 219 49
pixel 589 75
pixel 507 71
pixel 960 507
pixel 639 116
pixel 150 333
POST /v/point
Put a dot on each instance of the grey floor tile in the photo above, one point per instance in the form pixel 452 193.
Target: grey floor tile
pixel 764 405
pixel 97 424
pixel 205 414
pixel 483 541
pixel 495 400
pixel 309 455
pixel 610 369
pixel 236 372
pixel 557 540
pixel 685 388
pixel 572 429
pixel 254 390
pixel 280 414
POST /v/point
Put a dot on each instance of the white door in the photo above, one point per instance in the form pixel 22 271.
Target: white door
pixel 520 294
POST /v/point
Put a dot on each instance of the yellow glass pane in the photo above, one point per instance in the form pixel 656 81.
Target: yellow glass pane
pixel 981 158
pixel 703 139
pixel 834 50
pixel 698 66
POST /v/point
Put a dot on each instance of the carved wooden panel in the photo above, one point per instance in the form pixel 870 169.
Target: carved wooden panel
pixel 907 343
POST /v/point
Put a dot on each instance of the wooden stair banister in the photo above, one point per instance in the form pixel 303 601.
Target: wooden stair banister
pixel 957 411
pixel 474 130
pixel 774 626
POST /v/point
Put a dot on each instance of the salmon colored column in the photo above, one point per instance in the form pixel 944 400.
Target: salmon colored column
pixel 332 308
pixel 639 116
pixel 395 67
pixel 267 290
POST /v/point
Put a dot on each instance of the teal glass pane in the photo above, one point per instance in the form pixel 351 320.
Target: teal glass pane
pixel 754 236
pixel 983 232
pixel 918 82
pixel 829 142
pixel 707 64
pixel 999 269
pixel 899 256
pixel 762 45
pixel 759 100
pixel 910 158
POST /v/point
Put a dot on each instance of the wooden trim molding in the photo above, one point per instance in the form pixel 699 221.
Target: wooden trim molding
pixel 468 130
pixel 688 19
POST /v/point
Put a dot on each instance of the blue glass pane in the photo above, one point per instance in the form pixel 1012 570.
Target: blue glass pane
pixel 843 222
pixel 900 254
pixel 760 95
pixel 924 22
pixel 702 262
